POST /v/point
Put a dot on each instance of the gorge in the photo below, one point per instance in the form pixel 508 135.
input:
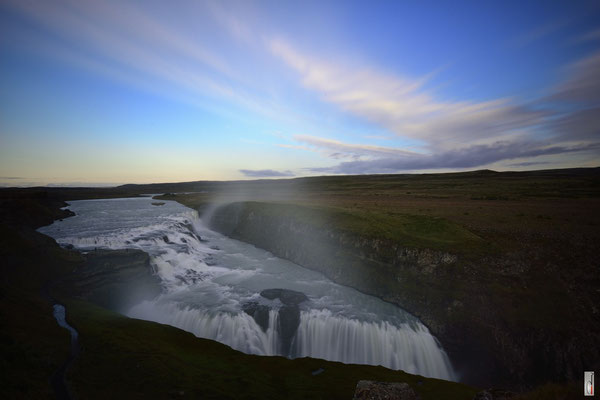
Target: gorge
pixel 235 293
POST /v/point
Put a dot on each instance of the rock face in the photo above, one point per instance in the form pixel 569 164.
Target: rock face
pixel 371 390
pixel 287 297
pixel 288 314
pixel 116 279
pixel 494 394
pixel 259 312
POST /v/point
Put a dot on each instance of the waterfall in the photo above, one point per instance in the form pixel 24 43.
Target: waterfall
pixel 210 280
pixel 409 347
pixel 237 330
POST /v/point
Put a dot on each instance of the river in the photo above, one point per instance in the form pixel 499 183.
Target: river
pixel 212 284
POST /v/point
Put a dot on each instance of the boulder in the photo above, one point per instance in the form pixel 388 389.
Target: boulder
pixel 286 296
pixel 371 390
pixel 494 394
pixel 259 312
pixel 289 319
pixel 288 315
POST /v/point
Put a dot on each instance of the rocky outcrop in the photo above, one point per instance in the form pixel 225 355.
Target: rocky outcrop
pixel 259 312
pixel 288 314
pixel 494 394
pixel 116 279
pixel 371 390
pixel 286 296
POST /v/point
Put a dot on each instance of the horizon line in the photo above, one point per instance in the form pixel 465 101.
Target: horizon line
pixel 101 185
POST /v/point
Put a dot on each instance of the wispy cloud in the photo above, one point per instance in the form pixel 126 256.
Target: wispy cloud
pixel 528 163
pixel 337 149
pixel 580 91
pixel 265 173
pixel 133 39
pixel 404 107
pixel 181 59
pixel 582 83
pixel 470 157
pixel 460 134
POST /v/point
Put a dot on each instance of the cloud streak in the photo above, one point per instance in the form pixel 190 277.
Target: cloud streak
pixel 582 85
pixel 265 173
pixel 462 134
pixel 470 157
pixel 337 149
pixel 404 107
pixel 580 91
pixel 182 60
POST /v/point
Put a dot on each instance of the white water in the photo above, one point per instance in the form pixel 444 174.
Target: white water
pixel 207 281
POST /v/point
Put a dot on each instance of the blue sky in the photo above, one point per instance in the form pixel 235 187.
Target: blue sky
pixel 107 92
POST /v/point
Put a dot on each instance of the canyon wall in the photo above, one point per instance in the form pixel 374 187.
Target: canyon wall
pixel 448 292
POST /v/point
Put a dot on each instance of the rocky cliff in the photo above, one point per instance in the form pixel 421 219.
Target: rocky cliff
pixel 476 305
pixel 115 279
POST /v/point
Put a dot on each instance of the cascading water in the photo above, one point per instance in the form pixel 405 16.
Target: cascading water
pixel 409 347
pixel 238 330
pixel 211 282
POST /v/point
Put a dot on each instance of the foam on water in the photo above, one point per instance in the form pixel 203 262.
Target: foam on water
pixel 208 278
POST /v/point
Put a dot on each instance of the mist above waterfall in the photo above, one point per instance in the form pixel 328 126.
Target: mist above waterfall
pixel 260 190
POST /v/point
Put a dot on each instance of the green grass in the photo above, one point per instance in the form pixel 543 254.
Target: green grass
pixel 410 230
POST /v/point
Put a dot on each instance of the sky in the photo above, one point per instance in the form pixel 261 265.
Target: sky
pixel 110 92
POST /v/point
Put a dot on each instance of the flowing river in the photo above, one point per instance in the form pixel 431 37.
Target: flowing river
pixel 212 287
